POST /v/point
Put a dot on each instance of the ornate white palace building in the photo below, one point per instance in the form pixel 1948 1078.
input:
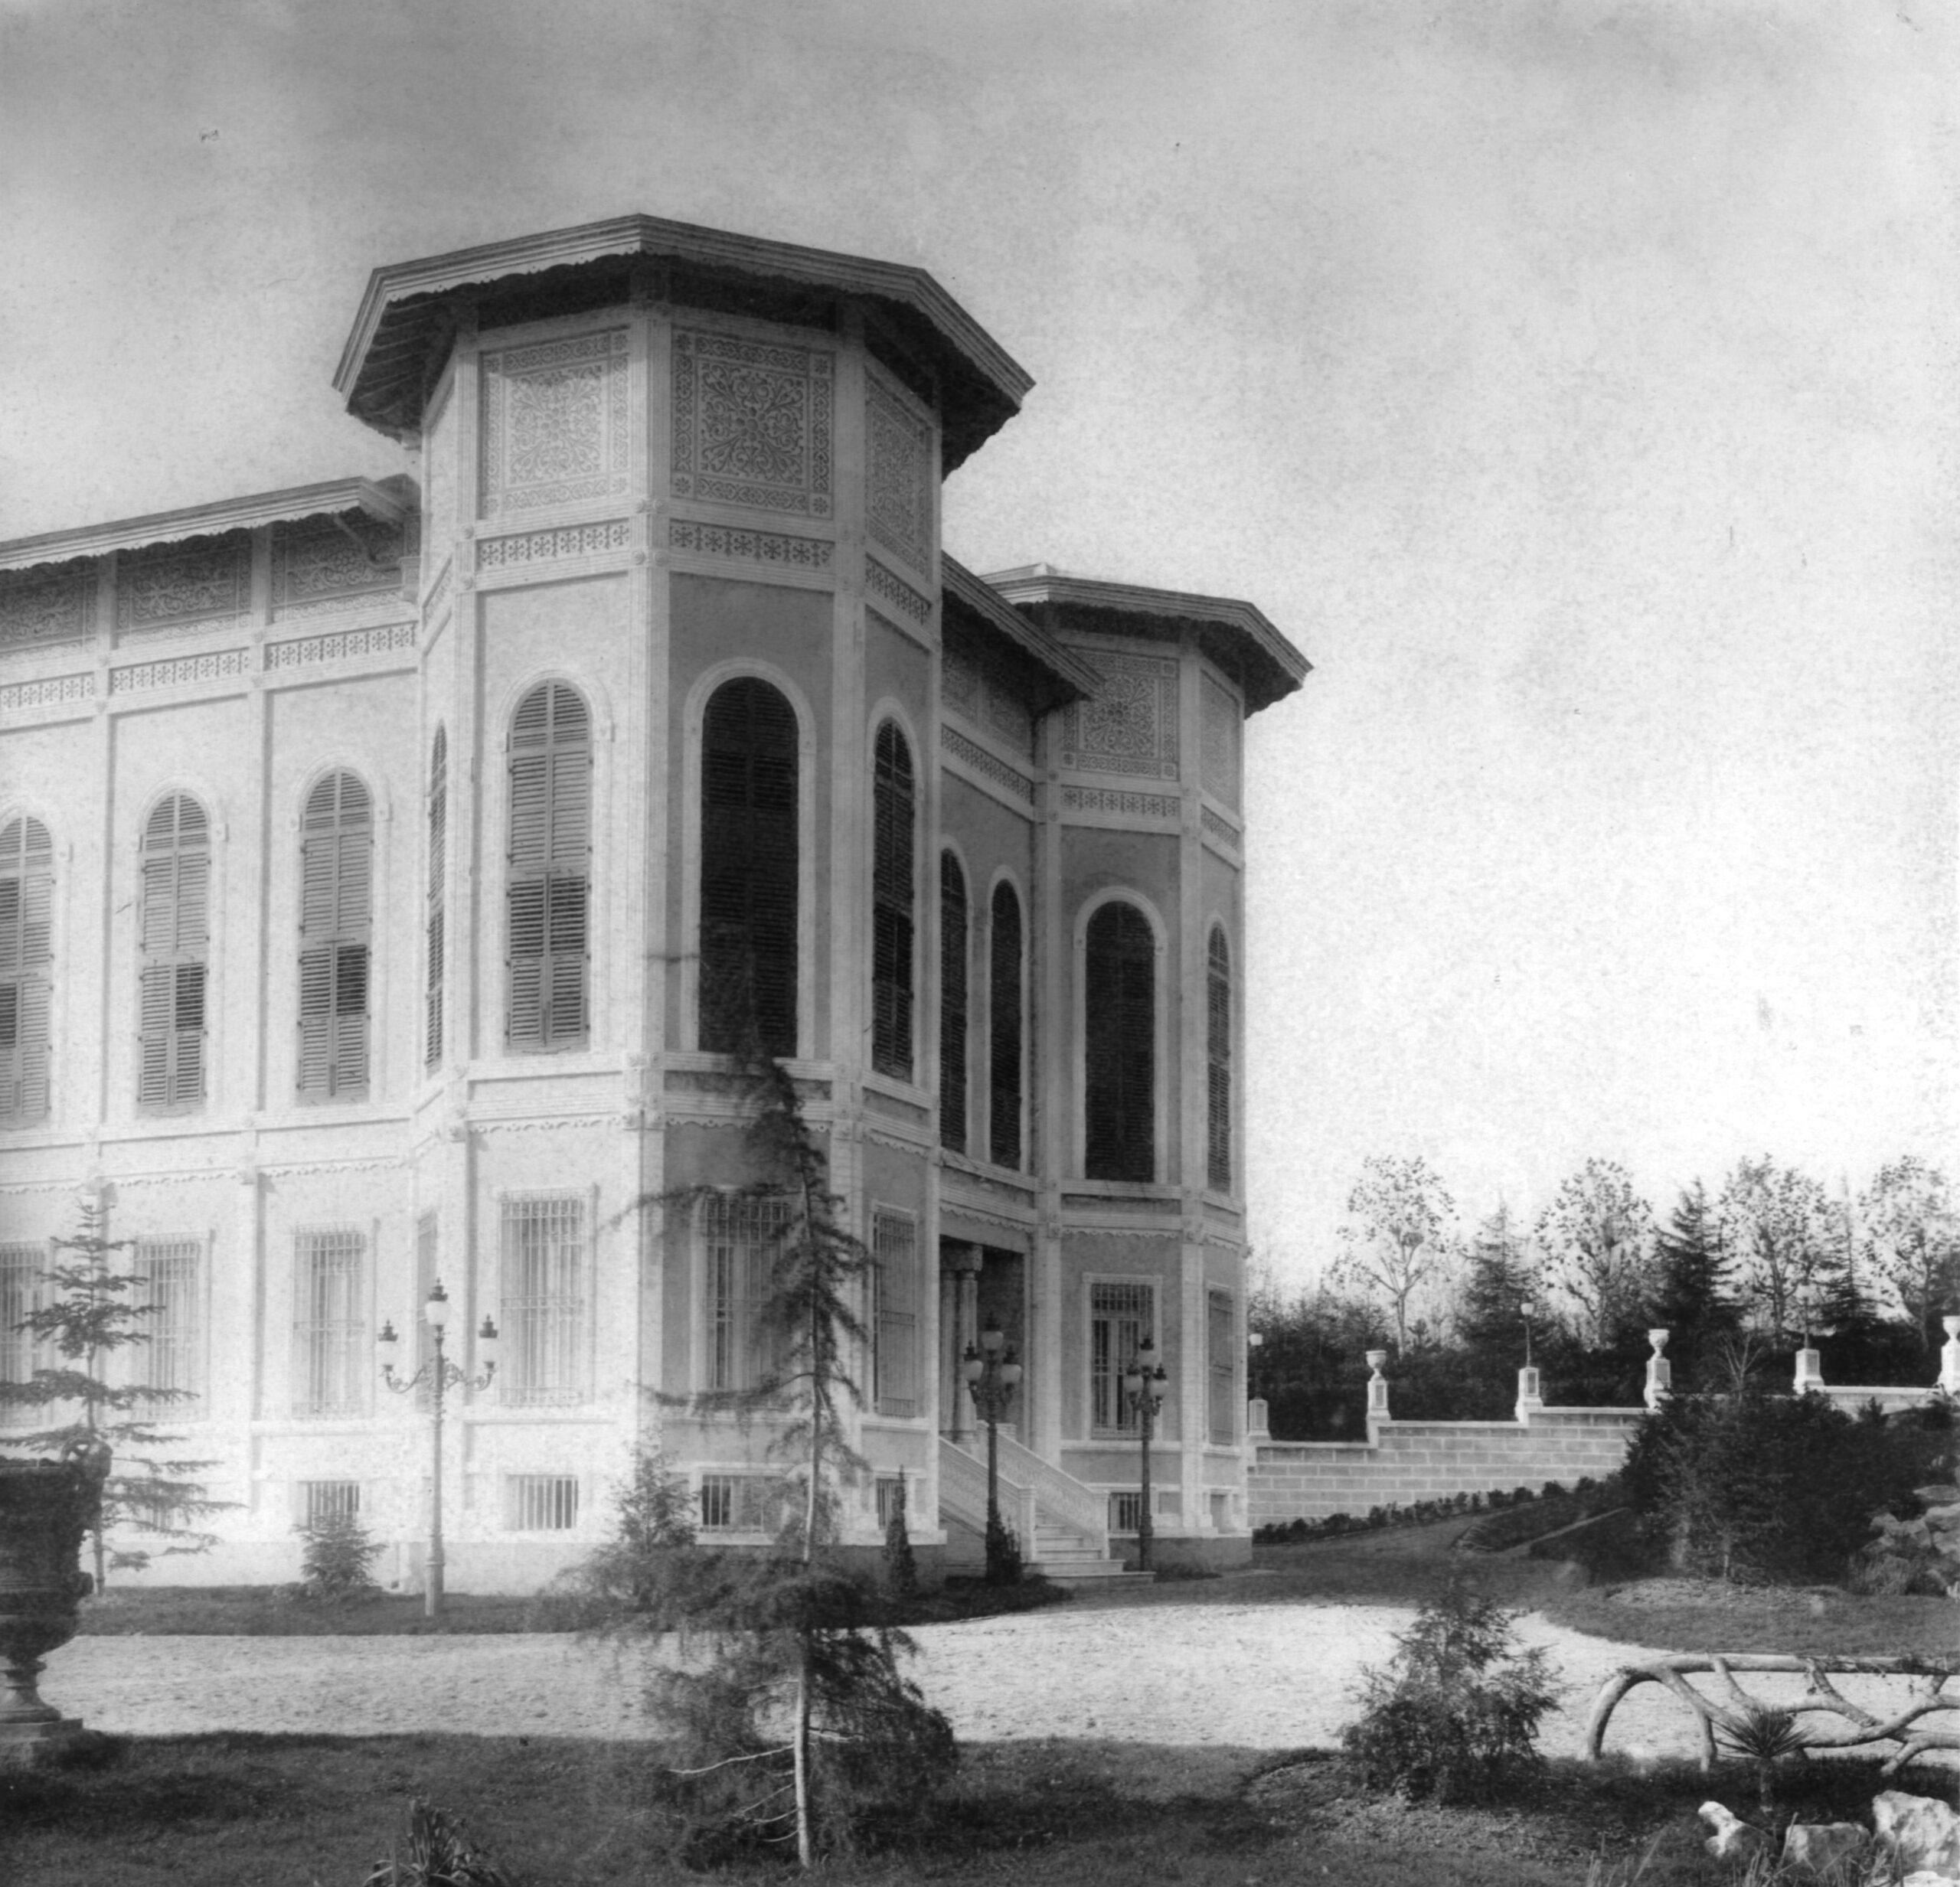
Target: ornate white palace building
pixel 369 853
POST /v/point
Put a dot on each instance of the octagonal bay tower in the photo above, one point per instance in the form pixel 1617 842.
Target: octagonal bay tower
pixel 371 853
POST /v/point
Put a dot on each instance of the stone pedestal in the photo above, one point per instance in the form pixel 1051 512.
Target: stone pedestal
pixel 1810 1371
pixel 45 1510
pixel 1530 1395
pixel 1660 1371
pixel 1949 1356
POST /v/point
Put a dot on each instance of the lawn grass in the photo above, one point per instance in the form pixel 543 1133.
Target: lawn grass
pixel 235 1810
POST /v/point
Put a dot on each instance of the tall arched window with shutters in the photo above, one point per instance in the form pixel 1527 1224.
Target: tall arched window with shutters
pixel 894 799
pixel 548 894
pixel 1218 1062
pixel 175 943
pixel 952 1003
pixel 27 968
pixel 1006 1039
pixel 1119 1044
pixel 435 918
pixel 748 870
pixel 336 915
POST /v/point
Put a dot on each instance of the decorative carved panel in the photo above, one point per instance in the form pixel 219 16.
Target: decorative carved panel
pixel 753 423
pixel 1218 755
pixel 40 608
pixel 881 583
pixel 971 690
pixel 438 468
pixel 546 546
pixel 554 422
pixel 317 565
pixel 1116 803
pixel 898 491
pixel 383 639
pixel 175 583
pixel 41 694
pixel 955 746
pixel 753 547
pixel 175 674
pixel 1219 829
pixel 1130 724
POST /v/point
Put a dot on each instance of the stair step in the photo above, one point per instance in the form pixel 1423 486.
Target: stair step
pixel 1099 1572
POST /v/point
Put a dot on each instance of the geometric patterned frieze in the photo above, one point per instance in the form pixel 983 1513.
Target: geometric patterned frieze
pixel 317 565
pixel 753 547
pixel 1114 803
pixel 898 491
pixel 881 583
pixel 1221 829
pixel 554 422
pixel 1218 746
pixel 955 745
pixel 546 546
pixel 383 637
pixel 40 608
pixel 752 422
pixel 168 584
pixel 51 689
pixel 1130 725
pixel 173 674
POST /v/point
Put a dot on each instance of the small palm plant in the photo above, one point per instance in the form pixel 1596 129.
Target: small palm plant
pixel 1764 1733
pixel 438 1856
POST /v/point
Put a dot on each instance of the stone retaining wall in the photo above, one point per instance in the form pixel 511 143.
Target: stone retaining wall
pixel 1407 1461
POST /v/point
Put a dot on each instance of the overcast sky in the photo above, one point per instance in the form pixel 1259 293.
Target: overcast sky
pixel 1576 383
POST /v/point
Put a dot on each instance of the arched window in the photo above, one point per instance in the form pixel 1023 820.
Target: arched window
pixel 748 870
pixel 176 937
pixel 1120 1007
pixel 1005 1052
pixel 550 863
pixel 1218 1063
pixel 952 1003
pixel 894 797
pixel 435 917
pixel 27 959
pixel 336 913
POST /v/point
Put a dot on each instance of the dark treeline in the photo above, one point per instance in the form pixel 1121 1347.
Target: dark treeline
pixel 1738 1275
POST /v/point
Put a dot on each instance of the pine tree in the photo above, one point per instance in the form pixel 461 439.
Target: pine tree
pixel 93 1310
pixel 1691 1298
pixel 1498 1282
pixel 790 1637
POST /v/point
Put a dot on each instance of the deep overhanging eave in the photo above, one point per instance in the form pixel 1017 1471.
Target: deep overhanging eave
pixel 378 501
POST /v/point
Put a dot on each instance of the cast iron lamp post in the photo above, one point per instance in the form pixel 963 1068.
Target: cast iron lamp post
pixel 992 1375
pixel 1145 1383
pixel 441 1375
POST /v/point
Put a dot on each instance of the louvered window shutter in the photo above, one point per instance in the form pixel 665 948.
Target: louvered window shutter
pixel 433 939
pixel 952 1003
pixel 174 929
pixel 749 868
pixel 892 919
pixel 1005 1051
pixel 336 917
pixel 1218 1060
pixel 1120 1047
pixel 549 864
pixel 26 956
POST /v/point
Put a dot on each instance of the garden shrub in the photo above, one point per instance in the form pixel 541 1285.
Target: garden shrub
pixel 337 1559
pixel 1756 1488
pixel 625 1576
pixel 438 1856
pixel 1004 1565
pixel 901 1568
pixel 1455 1713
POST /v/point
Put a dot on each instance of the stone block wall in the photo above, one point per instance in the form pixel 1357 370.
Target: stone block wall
pixel 1407 1461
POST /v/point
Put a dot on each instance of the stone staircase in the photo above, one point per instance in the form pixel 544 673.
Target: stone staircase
pixel 1063 1526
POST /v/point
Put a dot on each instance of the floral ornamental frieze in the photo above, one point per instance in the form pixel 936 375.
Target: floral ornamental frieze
pixel 1218 742
pixel 40 608
pixel 1221 829
pixel 384 638
pixel 178 673
pixel 1131 725
pixel 608 539
pixel 753 423
pixel 1118 803
pixel 554 422
pixel 954 745
pixel 49 689
pixel 322 564
pixel 171 584
pixel 752 546
pixel 881 583
pixel 898 492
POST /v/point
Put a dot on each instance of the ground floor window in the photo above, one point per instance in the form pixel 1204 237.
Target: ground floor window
pixel 541 1504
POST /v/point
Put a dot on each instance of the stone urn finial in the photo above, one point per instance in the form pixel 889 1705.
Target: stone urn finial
pixel 1660 1371
pixel 47 1509
pixel 1377 1386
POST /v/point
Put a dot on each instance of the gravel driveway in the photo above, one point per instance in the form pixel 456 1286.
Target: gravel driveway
pixel 1270 1676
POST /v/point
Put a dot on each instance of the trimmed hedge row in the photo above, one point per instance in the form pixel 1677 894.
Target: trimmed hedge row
pixel 1556 1509
pixel 1417 1513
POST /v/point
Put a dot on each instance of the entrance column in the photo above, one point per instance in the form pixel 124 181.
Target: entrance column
pixel 962 1261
